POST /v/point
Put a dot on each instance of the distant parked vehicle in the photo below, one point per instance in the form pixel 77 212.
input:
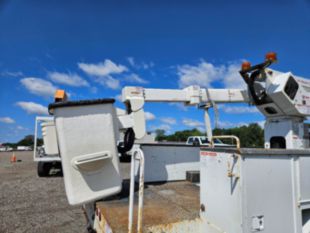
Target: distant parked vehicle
pixel 24 148
pixel 9 149
pixel 5 148
pixel 47 156
pixel 203 141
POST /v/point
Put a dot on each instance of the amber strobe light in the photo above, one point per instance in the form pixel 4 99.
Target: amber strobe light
pixel 245 65
pixel 60 95
pixel 271 56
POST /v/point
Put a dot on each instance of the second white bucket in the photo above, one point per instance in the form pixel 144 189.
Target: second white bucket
pixel 49 137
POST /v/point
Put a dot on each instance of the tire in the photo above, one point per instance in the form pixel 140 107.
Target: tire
pixel 58 166
pixel 43 169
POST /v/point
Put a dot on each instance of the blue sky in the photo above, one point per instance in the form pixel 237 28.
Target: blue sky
pixel 94 48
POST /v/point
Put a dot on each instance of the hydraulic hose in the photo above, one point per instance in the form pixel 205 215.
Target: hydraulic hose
pixel 257 100
pixel 255 71
pixel 129 139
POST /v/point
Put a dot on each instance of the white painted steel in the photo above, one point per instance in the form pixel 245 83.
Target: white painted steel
pixel 140 156
pixel 48 159
pixel 87 133
pixel 218 195
pixel 208 125
pixel 51 151
pixel 137 154
pixel 292 129
pixel 269 195
pixel 280 104
pixel 164 162
pixel 237 140
pixel 135 97
pixel 275 88
pixel 49 137
pixel 131 193
pixel 191 95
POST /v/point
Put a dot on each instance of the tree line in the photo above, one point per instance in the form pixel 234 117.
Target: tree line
pixel 251 135
pixel 26 141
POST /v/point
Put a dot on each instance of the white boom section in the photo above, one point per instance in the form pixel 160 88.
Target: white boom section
pixel 135 97
pixel 191 95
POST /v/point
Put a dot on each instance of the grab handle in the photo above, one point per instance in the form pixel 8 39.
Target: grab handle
pixel 224 137
pixel 92 161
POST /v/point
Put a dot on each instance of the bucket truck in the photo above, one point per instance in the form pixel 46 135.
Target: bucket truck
pixel 241 190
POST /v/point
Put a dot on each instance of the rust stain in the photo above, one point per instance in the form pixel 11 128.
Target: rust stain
pixel 158 209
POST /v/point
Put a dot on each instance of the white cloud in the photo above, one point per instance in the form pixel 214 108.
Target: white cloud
pixel 149 116
pixel 69 79
pixel 39 86
pixel 131 61
pixel 32 108
pixel 118 97
pixel 238 109
pixel 192 123
pixel 148 65
pixel 179 106
pixel 108 81
pixel 165 127
pixel 261 124
pixel 103 72
pixel 168 120
pixel 202 129
pixel 205 73
pixel 102 69
pixel 21 128
pixel 134 78
pixel 93 90
pixel 139 65
pixel 232 78
pixel 228 124
pixel 112 83
pixel 7 120
pixel 11 74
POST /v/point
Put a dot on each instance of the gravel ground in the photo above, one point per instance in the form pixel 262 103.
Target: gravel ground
pixel 32 204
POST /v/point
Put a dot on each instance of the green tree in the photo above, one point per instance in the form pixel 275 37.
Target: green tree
pixel 29 141
pixel 250 136
pixel 26 141
pixel 160 135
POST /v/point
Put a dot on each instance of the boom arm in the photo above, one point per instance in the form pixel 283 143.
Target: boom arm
pixel 135 97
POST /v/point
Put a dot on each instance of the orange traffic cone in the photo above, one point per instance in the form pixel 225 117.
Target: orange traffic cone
pixel 13 158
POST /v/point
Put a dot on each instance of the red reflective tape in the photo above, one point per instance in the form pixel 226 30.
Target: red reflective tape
pixel 207 153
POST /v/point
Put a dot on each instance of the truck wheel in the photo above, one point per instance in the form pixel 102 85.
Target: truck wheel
pixel 43 169
pixel 58 166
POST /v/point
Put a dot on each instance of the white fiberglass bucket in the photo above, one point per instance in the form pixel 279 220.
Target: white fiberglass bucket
pixel 49 138
pixel 87 136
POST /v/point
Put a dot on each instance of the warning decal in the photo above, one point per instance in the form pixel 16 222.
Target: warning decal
pixel 208 153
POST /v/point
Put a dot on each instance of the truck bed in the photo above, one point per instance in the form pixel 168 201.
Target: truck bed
pixel 165 204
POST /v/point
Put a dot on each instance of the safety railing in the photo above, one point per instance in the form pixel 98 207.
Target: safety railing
pixel 226 137
pixel 230 172
pixel 136 155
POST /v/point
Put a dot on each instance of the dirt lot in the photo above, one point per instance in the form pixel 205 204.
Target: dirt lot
pixel 32 204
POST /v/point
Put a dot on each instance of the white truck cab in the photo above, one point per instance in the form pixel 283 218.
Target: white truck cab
pixel 203 141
